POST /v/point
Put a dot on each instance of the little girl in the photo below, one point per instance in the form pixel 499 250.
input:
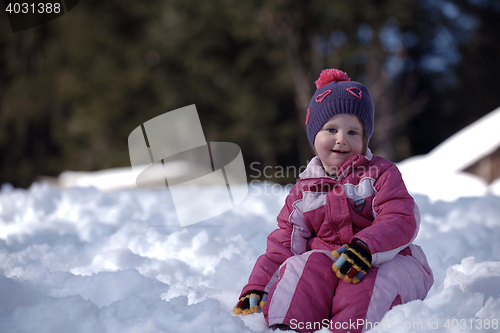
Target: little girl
pixel 343 253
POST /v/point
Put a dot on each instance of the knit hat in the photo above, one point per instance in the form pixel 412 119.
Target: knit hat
pixel 336 94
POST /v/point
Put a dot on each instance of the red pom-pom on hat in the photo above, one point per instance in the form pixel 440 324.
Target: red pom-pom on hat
pixel 330 75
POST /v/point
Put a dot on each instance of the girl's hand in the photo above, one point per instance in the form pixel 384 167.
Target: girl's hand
pixel 250 303
pixel 354 261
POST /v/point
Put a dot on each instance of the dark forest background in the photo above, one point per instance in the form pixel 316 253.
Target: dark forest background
pixel 73 89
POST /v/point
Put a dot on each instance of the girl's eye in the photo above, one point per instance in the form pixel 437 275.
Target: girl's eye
pixel 352 132
pixel 332 130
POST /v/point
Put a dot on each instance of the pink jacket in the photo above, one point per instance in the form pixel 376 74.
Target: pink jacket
pixel 368 201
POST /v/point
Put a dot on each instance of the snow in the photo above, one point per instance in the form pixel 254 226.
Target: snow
pixel 87 260
pixel 126 177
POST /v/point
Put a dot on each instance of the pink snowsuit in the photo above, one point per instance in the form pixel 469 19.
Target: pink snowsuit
pixel 369 202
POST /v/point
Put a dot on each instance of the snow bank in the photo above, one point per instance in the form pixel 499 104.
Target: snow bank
pixel 475 277
pixel 84 260
pixel 126 177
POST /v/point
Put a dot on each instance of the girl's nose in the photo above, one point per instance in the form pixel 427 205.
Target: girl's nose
pixel 340 138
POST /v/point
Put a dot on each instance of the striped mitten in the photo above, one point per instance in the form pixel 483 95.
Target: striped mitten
pixel 250 303
pixel 354 261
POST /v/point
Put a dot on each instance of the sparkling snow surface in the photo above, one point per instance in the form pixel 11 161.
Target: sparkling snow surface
pixel 84 260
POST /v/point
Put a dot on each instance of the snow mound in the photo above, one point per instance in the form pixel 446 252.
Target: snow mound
pixel 475 277
pixel 84 260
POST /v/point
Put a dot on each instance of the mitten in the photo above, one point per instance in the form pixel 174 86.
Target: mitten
pixel 250 302
pixel 354 261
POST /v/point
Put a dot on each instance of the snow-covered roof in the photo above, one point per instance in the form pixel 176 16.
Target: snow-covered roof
pixel 470 144
pixel 439 174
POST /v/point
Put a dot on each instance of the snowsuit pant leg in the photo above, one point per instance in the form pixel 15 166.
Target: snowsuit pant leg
pixel 357 307
pixel 302 297
pixel 350 303
pixel 400 280
pixel 308 294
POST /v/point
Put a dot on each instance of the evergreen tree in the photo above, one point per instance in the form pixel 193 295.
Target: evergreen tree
pixel 73 89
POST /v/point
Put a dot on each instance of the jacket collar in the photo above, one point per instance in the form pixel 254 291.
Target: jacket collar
pixel 315 167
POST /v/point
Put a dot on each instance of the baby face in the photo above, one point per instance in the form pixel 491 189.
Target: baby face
pixel 340 138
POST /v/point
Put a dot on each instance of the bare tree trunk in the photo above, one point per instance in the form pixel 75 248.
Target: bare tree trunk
pixel 382 141
pixel 282 31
